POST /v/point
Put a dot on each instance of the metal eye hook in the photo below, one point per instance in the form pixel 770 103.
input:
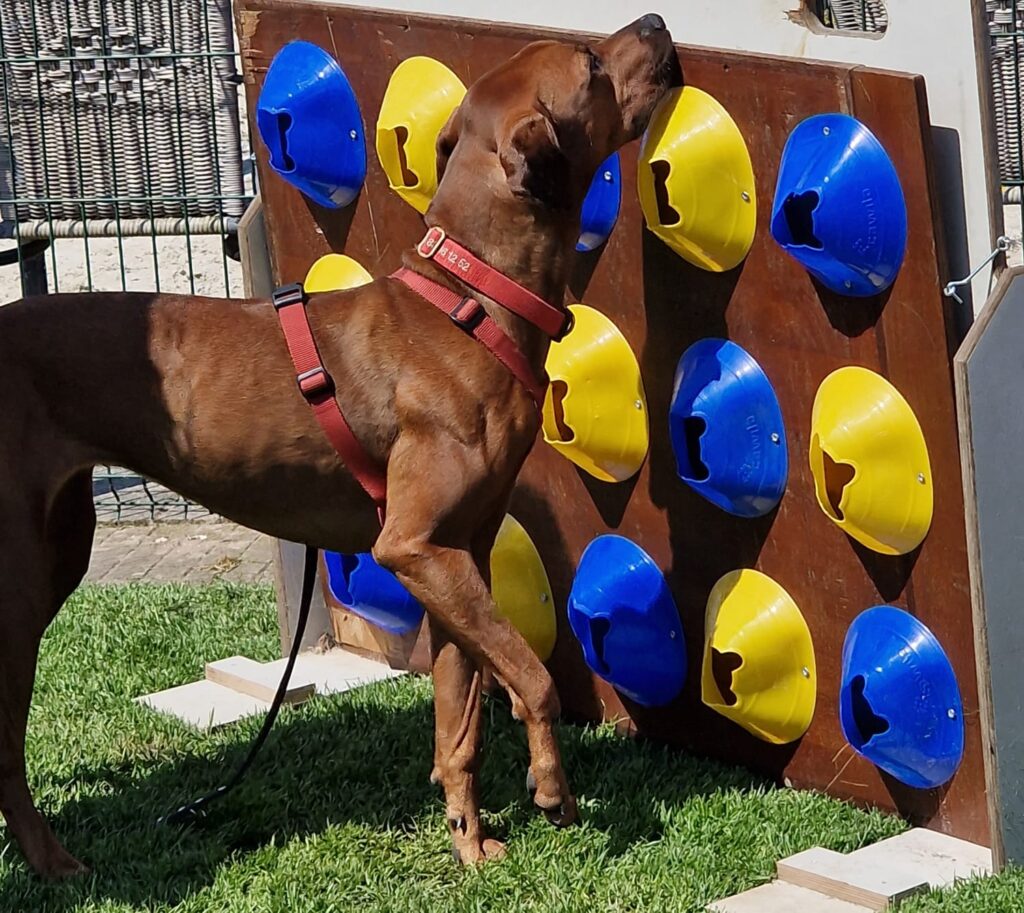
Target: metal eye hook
pixel 1003 243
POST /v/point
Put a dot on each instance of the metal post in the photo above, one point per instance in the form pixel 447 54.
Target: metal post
pixel 33 274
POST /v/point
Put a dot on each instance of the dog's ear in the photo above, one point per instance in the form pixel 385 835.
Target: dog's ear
pixel 535 164
pixel 446 141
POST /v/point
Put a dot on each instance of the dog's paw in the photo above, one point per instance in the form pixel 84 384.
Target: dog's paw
pixel 493 849
pixel 473 853
pixel 59 865
pixel 565 814
pixel 560 812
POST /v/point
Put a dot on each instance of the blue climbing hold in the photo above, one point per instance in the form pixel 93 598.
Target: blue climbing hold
pixel 839 208
pixel 622 612
pixel 309 119
pixel 727 430
pixel 601 205
pixel 359 583
pixel 899 703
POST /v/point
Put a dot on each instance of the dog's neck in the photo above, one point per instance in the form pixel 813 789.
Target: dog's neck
pixel 524 242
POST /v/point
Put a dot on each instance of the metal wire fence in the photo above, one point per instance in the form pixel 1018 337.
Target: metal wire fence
pixel 124 163
pixel 1005 23
pixel 853 15
pixel 1006 58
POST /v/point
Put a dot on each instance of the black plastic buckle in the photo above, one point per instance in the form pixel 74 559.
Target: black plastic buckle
pixel 570 322
pixel 288 294
pixel 468 314
pixel 315 382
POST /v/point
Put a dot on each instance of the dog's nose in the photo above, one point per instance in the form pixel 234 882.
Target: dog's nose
pixel 652 22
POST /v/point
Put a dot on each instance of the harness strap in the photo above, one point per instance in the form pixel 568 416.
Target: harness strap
pixel 437 247
pixel 317 388
pixel 468 314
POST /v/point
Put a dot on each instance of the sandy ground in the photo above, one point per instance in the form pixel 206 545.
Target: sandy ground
pixel 73 265
pixel 195 265
pixel 1013 228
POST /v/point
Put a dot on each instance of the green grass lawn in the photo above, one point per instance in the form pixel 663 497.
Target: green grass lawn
pixel 338 814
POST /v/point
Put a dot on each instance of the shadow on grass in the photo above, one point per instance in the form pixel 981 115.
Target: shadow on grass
pixel 336 761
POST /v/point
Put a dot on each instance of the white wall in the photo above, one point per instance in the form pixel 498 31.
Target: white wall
pixel 932 37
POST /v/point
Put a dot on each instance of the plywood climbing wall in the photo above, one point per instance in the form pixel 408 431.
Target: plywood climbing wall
pixel 797 332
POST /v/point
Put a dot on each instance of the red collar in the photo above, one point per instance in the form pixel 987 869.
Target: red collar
pixel 437 247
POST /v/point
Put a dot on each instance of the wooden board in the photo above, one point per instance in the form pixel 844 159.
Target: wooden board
pixel 247 676
pixel 875 877
pixel 989 377
pixel 840 876
pixel 662 304
pixel 400 651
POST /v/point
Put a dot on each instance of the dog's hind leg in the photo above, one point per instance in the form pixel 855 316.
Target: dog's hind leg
pixel 421 544
pixel 41 562
pixel 70 527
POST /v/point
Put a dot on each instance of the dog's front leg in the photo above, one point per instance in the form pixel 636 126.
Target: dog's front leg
pixel 458 734
pixel 458 685
pixel 426 543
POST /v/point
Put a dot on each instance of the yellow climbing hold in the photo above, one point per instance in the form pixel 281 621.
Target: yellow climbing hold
pixel 334 272
pixel 696 182
pixel 595 411
pixel 754 629
pixel 419 99
pixel 520 587
pixel 870 462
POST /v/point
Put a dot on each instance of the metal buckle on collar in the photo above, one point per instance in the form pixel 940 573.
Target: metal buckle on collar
pixel 315 382
pixel 468 314
pixel 288 294
pixel 432 240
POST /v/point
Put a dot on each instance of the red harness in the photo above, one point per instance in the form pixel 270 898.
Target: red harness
pixel 317 386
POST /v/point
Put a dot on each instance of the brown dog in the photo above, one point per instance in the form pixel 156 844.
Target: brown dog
pixel 200 395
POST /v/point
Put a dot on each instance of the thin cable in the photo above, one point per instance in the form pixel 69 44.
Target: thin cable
pixel 195 810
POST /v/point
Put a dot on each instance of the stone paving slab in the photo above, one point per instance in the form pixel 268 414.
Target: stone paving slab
pixel 206 704
pixel 180 552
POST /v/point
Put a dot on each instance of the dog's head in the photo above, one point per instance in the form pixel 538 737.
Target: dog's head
pixel 537 127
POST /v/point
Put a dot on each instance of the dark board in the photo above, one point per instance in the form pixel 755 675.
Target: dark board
pixel 989 377
pixel 662 304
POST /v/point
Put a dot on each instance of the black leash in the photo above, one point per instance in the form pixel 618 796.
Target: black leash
pixel 195 810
